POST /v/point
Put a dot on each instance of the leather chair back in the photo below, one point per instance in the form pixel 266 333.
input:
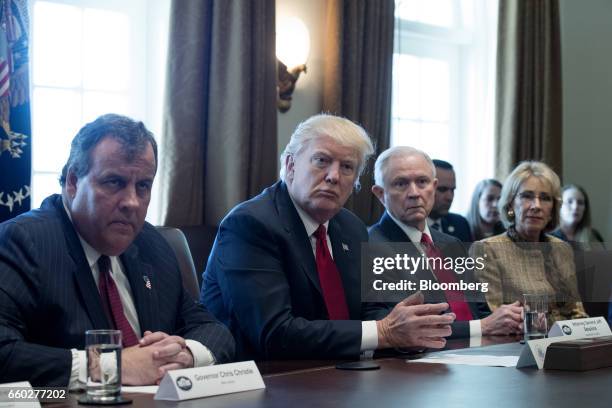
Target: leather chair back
pixel 200 239
pixel 178 243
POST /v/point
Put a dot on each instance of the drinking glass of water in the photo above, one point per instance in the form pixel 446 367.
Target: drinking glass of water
pixel 103 350
pixel 535 322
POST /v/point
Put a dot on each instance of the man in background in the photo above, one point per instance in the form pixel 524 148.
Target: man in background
pixel 440 218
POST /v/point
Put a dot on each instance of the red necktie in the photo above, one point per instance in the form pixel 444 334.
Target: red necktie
pixel 455 298
pixel 333 292
pixel 112 302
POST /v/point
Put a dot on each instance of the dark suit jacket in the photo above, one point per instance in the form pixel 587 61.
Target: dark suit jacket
pixel 261 280
pixel 457 226
pixel 386 230
pixel 48 296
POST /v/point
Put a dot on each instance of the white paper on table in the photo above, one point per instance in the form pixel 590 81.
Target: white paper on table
pixel 469 359
pixel 143 389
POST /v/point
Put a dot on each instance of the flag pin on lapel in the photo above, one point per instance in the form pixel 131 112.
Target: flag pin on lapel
pixel 147 281
pixel 345 247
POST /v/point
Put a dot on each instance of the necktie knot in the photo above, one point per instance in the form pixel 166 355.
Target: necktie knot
pixel 104 264
pixel 429 247
pixel 321 233
pixel 426 240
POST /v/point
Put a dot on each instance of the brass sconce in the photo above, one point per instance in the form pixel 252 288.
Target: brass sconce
pixel 292 48
pixel 286 84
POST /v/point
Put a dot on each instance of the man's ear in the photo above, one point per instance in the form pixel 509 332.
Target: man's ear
pixel 379 192
pixel 289 167
pixel 71 184
pixel 435 183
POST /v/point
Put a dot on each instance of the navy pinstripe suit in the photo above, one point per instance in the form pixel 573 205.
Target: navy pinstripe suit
pixel 48 296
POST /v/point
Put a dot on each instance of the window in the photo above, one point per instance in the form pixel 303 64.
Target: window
pixel 443 85
pixel 91 57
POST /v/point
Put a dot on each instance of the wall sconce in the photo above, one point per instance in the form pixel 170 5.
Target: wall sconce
pixel 292 48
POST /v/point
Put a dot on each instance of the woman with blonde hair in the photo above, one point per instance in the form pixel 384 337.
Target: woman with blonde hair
pixel 525 259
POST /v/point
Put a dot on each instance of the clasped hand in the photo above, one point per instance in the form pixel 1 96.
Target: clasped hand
pixel 157 353
pixel 506 319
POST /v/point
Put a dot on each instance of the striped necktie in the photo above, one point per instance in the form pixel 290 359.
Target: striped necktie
pixel 112 302
pixel 454 298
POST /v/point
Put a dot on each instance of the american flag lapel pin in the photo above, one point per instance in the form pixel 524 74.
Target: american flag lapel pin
pixel 147 281
pixel 345 247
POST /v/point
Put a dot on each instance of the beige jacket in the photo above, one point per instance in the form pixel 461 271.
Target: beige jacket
pixel 512 270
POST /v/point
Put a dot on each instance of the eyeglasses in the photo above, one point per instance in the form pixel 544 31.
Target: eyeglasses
pixel 528 197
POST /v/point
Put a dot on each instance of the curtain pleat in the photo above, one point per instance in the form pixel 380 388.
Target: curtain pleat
pixel 357 79
pixel 529 87
pixel 220 138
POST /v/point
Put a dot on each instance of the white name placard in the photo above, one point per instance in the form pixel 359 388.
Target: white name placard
pixel 590 327
pixel 189 383
pixel 535 350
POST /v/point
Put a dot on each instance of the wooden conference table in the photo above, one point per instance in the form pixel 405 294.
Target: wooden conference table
pixel 402 384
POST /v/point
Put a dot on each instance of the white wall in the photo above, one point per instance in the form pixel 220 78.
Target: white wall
pixel 308 94
pixel 586 30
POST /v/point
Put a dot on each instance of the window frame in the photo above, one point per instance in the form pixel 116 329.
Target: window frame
pixel 461 47
pixel 148 28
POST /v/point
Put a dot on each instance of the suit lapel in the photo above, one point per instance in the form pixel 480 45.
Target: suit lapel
pixel 145 294
pixel 391 230
pixel 444 224
pixel 344 250
pixel 439 237
pixel 396 234
pixel 88 291
pixel 297 236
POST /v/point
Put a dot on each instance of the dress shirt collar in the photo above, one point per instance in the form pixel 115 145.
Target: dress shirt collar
pixel 310 224
pixel 91 253
pixel 431 221
pixel 413 233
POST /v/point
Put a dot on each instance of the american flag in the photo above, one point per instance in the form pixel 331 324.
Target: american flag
pixel 4 77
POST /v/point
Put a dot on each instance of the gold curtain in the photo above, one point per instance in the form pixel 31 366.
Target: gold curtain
pixel 529 88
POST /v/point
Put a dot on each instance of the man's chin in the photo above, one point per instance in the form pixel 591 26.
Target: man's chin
pixel 116 244
pixel 413 220
pixel 323 210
